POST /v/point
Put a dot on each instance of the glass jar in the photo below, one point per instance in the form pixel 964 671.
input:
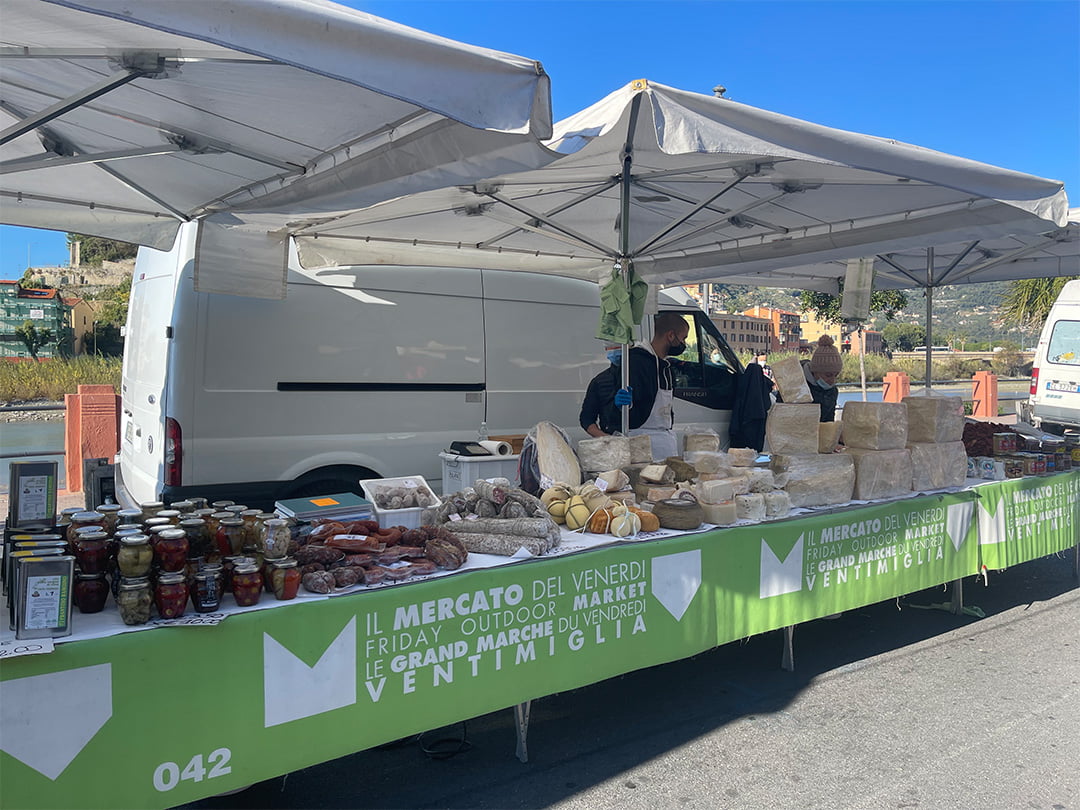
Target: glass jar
pixel 111 512
pixel 67 514
pixel 150 509
pixel 268 572
pixel 220 505
pixel 230 536
pixel 171 595
pixel 91 550
pixel 198 502
pixel 251 530
pixel 247 584
pixel 170 549
pixel 133 599
pixel 152 522
pixel 199 544
pixel 172 514
pixel 90 592
pixel 135 556
pixel 83 520
pixel 276 537
pixel 129 517
pixel 204 513
pixel 183 507
pixel 286 578
pixel 206 592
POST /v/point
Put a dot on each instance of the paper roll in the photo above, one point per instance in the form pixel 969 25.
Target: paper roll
pixel 498 448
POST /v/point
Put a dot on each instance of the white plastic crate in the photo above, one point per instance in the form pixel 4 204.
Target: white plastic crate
pixel 459 472
pixel 410 517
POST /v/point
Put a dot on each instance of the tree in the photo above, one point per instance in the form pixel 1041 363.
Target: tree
pixel 903 337
pixel 1027 302
pixel 114 306
pixel 827 306
pixel 97 249
pixel 34 338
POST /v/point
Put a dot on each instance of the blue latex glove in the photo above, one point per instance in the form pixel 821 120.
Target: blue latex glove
pixel 624 396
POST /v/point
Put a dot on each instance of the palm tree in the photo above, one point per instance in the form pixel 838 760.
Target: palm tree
pixel 1028 301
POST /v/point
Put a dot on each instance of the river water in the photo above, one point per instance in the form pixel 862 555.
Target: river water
pixel 28 437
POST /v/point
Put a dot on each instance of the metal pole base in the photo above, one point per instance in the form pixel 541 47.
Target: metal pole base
pixel 787 661
pixel 956 606
pixel 521 722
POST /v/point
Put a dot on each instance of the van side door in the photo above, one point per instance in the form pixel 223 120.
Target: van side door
pixel 707 372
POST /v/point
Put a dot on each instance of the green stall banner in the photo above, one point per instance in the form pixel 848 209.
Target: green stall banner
pixel 1027 518
pixel 168 716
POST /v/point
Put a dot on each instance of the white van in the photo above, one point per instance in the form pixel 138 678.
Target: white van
pixel 1054 401
pixel 364 372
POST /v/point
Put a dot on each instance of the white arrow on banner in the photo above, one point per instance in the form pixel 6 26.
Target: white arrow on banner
pixel 47 734
pixel 957 521
pixel 676 578
pixel 778 578
pixel 293 690
pixel 992 524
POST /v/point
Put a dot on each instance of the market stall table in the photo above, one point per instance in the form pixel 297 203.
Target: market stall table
pixel 164 717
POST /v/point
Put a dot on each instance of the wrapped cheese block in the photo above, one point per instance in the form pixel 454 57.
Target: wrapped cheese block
pixel 612 481
pixel 881 473
pixel 742 456
pixel 750 507
pixel 793 428
pixel 714 491
pixel 790 379
pixel 936 466
pixel 657 474
pixel 817 480
pixel 875 425
pixel 721 514
pixel 777 504
pixel 640 450
pixel 709 461
pixel 605 453
pixel 761 479
pixel 701 441
pixel 828 436
pixel 935 419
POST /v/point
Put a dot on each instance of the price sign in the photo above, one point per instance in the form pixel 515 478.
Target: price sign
pixel 14 647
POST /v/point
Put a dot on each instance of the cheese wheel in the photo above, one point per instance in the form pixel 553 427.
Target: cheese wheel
pixel 577 513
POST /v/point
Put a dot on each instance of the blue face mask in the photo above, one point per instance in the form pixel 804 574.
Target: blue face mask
pixel 614 356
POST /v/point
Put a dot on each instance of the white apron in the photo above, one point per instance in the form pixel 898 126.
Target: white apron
pixel 658 426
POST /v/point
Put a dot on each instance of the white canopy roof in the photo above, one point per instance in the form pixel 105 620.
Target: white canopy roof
pixel 124 118
pixel 714 188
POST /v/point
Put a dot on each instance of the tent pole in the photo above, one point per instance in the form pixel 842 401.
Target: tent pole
pixel 624 238
pixel 929 313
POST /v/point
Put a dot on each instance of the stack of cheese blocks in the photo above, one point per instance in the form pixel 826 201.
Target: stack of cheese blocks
pixel 876 435
pixel 729 487
pixel 802 455
pixel 935 439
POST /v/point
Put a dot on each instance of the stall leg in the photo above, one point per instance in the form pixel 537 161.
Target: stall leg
pixel 1076 561
pixel 521 722
pixel 787 661
pixel 956 606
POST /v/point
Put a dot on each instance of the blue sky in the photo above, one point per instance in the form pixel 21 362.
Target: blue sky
pixel 997 82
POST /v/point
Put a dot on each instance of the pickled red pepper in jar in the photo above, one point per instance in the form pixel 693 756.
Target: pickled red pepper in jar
pixel 206 593
pixel 171 595
pixel 286 579
pixel 171 548
pixel 90 592
pixel 247 584
pixel 92 552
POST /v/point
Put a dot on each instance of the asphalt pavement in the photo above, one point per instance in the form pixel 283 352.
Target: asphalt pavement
pixel 889 706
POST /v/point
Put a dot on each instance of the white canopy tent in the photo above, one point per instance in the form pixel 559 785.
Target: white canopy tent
pixel 123 119
pixel 690 188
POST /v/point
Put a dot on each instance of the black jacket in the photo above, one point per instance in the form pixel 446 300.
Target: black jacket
pixel 599 404
pixel 751 408
pixel 648 374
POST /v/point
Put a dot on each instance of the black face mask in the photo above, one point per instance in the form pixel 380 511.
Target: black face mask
pixel 675 349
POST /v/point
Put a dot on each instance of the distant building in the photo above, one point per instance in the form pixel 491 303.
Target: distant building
pixel 812 328
pixel 44 308
pixel 744 333
pixel 785 327
pixel 82 315
pixel 870 339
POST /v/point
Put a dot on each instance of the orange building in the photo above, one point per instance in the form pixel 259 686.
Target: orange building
pixel 785 327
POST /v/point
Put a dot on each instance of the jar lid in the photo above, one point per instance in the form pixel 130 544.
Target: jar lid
pixel 105 508
pixel 180 506
pixel 100 577
pixel 219 505
pixel 87 517
pixel 71 510
pixel 193 523
pixel 151 505
pixel 284 562
pixel 204 513
pixel 231 521
pixel 134 540
pixel 168 513
pixel 268 515
pixel 130 513
pixel 131 583
pixel 91 536
pixel 236 507
pixel 171 577
pixel 172 534
pixel 276 522
pixel 251 513
pixel 223 516
pixel 245 568
pixel 156 521
pixel 215 567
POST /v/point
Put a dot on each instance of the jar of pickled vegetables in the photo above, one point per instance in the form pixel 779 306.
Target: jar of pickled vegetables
pixel 82 520
pixel 172 514
pixel 111 512
pixel 150 509
pixel 206 592
pixel 129 517
pixel 276 537
pixel 286 578
pixel 90 592
pixel 171 595
pixel 133 599
pixel 183 507
pixel 151 523
pixel 230 535
pixel 67 514
pixel 171 549
pixel 220 505
pixel 91 551
pixel 198 537
pixel 247 584
pixel 268 572
pixel 135 556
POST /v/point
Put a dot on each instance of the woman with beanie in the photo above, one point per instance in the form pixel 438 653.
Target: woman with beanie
pixel 821 371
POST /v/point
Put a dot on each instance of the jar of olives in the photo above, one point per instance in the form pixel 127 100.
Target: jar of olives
pixel 133 599
pixel 285 577
pixel 171 549
pixel 135 556
pixel 247 584
pixel 171 595
pixel 90 592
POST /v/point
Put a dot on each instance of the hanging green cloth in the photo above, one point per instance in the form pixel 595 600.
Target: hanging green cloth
pixel 621 307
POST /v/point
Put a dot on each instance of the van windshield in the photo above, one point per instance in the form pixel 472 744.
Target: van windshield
pixel 1064 344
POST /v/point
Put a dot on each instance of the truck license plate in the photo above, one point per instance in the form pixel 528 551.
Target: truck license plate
pixel 1061 385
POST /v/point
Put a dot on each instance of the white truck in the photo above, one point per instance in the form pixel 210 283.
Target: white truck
pixel 362 372
pixel 1053 404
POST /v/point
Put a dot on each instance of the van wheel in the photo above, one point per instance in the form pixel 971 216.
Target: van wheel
pixel 327 481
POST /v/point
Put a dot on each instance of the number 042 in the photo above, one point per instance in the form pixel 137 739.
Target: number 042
pixel 168 775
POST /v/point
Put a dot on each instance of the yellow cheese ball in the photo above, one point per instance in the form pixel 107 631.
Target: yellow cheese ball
pixel 625 525
pixel 557 510
pixel 577 513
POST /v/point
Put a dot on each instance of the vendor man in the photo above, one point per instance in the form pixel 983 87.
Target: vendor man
pixel 652 387
pixel 599 416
